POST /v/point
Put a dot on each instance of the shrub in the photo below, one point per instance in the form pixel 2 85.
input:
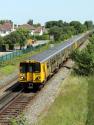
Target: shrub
pixel 84 60
pixel 21 120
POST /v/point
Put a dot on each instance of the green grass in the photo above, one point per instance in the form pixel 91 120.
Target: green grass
pixel 74 105
pixel 7 69
pixel 12 65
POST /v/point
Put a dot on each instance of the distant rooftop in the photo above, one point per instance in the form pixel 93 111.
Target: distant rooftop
pixel 6 26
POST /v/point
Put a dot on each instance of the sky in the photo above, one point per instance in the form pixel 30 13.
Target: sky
pixel 20 11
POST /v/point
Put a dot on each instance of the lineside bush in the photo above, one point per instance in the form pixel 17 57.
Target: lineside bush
pixel 21 120
pixel 84 59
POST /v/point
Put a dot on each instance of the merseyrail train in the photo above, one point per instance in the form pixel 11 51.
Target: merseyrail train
pixel 37 69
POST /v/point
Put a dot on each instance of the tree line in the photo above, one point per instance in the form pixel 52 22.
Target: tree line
pixel 62 30
pixel 17 37
pixel 59 30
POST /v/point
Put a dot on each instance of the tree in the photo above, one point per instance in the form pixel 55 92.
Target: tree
pixel 89 24
pixel 51 24
pixel 63 30
pixel 56 32
pixel 30 22
pixel 79 28
pixel 2 41
pixel 12 38
pixel 5 21
pixel 66 24
pixel 90 47
pixel 23 35
pixel 20 36
pixel 37 25
pixel 2 44
pixel 84 60
pixel 60 23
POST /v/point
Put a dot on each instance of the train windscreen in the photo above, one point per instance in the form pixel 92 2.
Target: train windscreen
pixel 29 67
pixel 23 67
pixel 36 67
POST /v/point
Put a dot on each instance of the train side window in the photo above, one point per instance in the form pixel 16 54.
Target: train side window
pixel 62 53
pixel 47 65
pixel 53 60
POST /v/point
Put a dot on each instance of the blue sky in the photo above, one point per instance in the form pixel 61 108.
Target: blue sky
pixel 20 11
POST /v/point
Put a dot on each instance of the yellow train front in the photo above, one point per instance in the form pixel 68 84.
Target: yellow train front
pixel 32 73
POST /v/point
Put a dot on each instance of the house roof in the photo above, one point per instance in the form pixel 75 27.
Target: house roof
pixel 38 30
pixel 6 26
pixel 27 26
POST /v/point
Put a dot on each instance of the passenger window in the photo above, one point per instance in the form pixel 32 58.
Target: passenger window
pixel 47 65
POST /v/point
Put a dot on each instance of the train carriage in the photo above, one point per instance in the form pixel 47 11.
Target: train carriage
pixel 38 68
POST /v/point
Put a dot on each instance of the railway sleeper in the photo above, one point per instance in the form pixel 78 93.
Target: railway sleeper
pixel 4 122
pixel 4 118
pixel 22 101
pixel 12 111
pixel 25 100
pixel 15 109
pixel 9 114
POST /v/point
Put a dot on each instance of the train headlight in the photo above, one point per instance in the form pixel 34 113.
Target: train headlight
pixel 38 78
pixel 22 77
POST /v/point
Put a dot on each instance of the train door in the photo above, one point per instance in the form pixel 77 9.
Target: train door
pixel 30 73
pixel 44 72
pixel 48 68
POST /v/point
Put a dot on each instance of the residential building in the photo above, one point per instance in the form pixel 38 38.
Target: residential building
pixel 33 30
pixel 6 28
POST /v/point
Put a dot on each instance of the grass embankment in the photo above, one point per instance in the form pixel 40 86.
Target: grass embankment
pixel 12 65
pixel 74 105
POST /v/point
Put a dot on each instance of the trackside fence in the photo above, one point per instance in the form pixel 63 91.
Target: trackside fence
pixel 16 53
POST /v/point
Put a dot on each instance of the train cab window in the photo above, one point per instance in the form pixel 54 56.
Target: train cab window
pixel 23 67
pixel 36 67
pixel 30 67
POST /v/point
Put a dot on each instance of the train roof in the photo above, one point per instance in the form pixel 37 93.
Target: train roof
pixel 44 56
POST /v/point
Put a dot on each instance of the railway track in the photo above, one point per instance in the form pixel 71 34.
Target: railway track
pixel 10 85
pixel 14 106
